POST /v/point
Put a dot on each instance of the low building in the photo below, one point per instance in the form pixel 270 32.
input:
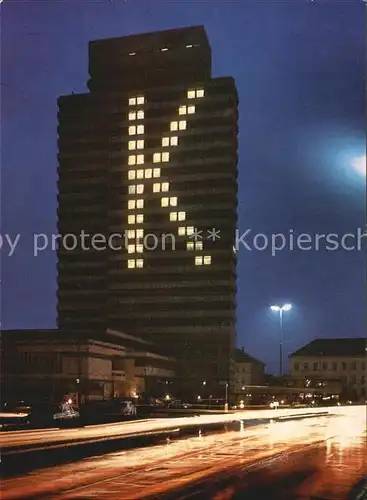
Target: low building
pixel 246 371
pixel 334 365
pixel 49 363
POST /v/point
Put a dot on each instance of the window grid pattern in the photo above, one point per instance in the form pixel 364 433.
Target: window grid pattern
pixel 178 124
pixel 135 236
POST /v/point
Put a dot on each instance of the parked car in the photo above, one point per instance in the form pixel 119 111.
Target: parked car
pixel 37 414
pixel 127 408
pixel 178 404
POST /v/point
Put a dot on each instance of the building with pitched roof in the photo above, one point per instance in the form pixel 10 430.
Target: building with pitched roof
pixel 324 361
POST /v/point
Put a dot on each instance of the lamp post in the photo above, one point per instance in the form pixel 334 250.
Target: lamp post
pixel 281 309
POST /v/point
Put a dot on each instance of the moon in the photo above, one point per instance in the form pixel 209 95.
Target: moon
pixel 359 165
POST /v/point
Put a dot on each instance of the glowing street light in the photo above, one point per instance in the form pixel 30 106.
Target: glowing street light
pixel 281 309
pixel 286 307
pixel 359 165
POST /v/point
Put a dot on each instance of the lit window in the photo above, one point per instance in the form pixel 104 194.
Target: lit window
pixel 181 231
pixel 165 141
pixel 182 110
pixel 165 186
pixel 139 262
pixel 189 46
pixel 191 110
pixel 139 203
pixel 173 201
pixel 164 49
pixel 139 233
pixel 132 115
pixel 132 101
pixel 198 261
pixel 181 215
pixel 156 187
pixel 140 115
pixel 130 248
pixel 199 245
pixel 139 248
pixel 164 202
pixel 132 130
pixel 130 233
pixel 140 159
pixel 132 145
pixel 156 172
pixel 140 218
pixel 165 157
pixel 131 263
pixel 190 230
pixel 156 157
pixel 140 129
pixel 207 259
pixel 190 245
pixel 174 141
pixel 132 189
pixel 140 174
pixel 132 160
pixel 140 144
pixel 174 126
pixel 131 219
pixel 182 125
pixel 148 173
pixel 131 204
pixel 140 99
pixel 173 216
pixel 191 94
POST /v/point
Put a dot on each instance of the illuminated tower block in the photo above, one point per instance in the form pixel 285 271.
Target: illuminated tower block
pixel 151 153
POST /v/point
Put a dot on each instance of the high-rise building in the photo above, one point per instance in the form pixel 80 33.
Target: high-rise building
pixel 148 159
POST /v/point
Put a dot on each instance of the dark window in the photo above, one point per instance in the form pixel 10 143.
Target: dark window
pixel 324 366
pixel 296 366
pixel 353 366
pixel 305 366
pixel 315 366
pixel 335 366
pixel 344 366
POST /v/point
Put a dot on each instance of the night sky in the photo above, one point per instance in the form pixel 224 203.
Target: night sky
pixel 299 68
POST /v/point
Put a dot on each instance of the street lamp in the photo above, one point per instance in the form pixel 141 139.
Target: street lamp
pixel 281 309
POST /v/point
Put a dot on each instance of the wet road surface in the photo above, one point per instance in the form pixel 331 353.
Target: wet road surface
pixel 323 458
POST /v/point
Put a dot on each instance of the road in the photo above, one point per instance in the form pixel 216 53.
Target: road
pixel 39 437
pixel 322 457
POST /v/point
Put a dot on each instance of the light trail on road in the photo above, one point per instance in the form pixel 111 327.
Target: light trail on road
pixel 172 467
pixel 40 437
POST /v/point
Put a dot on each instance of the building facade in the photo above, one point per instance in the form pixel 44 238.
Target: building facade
pixel 337 364
pixel 248 371
pixel 46 364
pixel 148 168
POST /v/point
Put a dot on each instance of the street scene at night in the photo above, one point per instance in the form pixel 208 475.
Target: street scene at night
pixel 183 242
